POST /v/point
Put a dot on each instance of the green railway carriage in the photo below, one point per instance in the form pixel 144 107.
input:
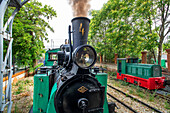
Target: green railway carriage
pixel 51 56
pixel 145 71
pixel 145 75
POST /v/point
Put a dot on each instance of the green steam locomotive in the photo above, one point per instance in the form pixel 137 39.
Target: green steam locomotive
pixel 67 83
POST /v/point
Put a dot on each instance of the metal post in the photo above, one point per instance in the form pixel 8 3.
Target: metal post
pixel 7 99
pixel 3 7
pixel 10 81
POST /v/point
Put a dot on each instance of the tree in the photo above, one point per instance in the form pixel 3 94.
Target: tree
pixel 166 45
pixel 29 31
pixel 155 14
pixel 112 27
pixel 130 26
pixel 162 23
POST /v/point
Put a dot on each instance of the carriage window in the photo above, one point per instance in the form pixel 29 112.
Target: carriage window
pixel 53 56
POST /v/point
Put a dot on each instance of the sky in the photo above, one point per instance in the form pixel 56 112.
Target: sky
pixel 63 20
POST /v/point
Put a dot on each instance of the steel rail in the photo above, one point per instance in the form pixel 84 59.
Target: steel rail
pixel 156 94
pixel 159 93
pixel 127 95
pixel 122 103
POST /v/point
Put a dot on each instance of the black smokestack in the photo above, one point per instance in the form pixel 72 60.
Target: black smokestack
pixel 80 26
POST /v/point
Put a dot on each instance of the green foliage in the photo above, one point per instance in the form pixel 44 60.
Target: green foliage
pixel 112 73
pixel 166 45
pixel 152 96
pixel 138 90
pixel 124 83
pixel 126 27
pixel 141 94
pixel 32 69
pixel 167 105
pixel 16 108
pixel 133 86
pixel 22 86
pixel 29 31
pixel 131 91
pixel 20 90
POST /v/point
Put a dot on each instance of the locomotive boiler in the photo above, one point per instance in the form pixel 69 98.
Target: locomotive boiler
pixel 71 85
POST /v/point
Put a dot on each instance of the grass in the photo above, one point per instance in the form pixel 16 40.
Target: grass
pixel 16 108
pixel 133 86
pixel 138 90
pixel 167 105
pixel 124 83
pixel 140 94
pixel 117 84
pixel 20 90
pixel 131 91
pixel 112 73
pixel 22 86
pixel 22 95
pixel 152 96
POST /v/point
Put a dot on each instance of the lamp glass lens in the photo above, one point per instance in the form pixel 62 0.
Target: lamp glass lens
pixel 85 57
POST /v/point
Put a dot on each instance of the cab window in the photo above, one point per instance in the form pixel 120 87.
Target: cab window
pixel 52 56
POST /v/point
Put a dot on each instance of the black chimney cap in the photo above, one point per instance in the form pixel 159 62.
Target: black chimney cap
pixel 80 18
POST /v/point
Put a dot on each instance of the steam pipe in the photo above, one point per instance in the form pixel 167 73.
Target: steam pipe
pixel 70 57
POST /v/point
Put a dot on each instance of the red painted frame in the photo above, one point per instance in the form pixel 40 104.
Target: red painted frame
pixel 151 83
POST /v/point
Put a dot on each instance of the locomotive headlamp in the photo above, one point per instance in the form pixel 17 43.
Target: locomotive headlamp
pixel 84 56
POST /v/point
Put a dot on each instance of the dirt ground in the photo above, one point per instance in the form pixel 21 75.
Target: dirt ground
pixel 22 95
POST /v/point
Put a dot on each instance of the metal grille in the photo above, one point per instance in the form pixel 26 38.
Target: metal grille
pixel 140 71
pixel 156 71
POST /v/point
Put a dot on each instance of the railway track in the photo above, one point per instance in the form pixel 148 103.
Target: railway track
pixel 133 98
pixel 130 108
pixel 165 94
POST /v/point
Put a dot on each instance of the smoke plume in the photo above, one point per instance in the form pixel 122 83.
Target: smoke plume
pixel 80 7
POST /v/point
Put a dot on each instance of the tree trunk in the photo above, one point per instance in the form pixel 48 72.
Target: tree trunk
pixel 35 62
pixel 159 53
pixel 162 30
pixel 152 50
pixel 154 55
pixel 101 58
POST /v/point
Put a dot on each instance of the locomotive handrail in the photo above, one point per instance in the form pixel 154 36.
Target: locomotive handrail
pixel 46 71
pixel 98 69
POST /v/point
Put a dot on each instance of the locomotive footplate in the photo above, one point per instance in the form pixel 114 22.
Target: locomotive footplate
pixel 95 110
pixel 97 89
